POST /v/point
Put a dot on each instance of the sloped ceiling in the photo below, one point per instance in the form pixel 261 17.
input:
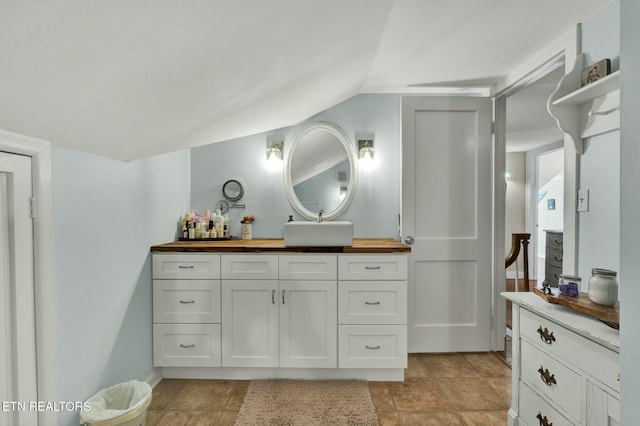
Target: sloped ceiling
pixel 133 78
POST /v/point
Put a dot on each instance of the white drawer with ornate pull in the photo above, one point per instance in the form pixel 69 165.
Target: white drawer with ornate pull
pixel 574 349
pixel 372 267
pixel 186 301
pixel 186 266
pixel 372 302
pixel 536 411
pixel 186 345
pixel 556 381
pixel 372 346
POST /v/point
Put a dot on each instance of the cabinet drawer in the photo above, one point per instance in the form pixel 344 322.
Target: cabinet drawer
pixel 186 345
pixel 372 346
pixel 552 275
pixel 308 267
pixel 533 409
pixel 186 266
pixel 372 302
pixel 372 267
pixel 555 256
pixel 572 348
pixel 186 301
pixel 249 266
pixel 554 239
pixel 564 387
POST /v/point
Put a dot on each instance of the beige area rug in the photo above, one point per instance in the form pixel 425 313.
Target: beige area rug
pixel 307 402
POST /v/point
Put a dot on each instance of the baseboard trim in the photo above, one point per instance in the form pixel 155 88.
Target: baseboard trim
pixel 155 377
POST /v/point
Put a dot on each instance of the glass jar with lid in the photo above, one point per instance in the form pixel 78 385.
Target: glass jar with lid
pixel 603 287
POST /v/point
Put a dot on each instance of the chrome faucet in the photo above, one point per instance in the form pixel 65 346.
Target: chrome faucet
pixel 319 218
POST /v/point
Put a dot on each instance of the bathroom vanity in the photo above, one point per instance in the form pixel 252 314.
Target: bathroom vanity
pixel 255 309
pixel 565 366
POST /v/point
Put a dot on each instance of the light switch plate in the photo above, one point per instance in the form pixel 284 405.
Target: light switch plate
pixel 583 200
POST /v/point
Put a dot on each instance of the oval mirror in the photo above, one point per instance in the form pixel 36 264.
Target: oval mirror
pixel 232 190
pixel 320 171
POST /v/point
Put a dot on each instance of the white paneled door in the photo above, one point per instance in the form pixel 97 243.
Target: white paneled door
pixel 17 318
pixel 446 213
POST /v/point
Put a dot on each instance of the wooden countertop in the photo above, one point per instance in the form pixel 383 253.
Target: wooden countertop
pixel 360 245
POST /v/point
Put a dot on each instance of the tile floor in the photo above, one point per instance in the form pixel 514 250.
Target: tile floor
pixel 439 389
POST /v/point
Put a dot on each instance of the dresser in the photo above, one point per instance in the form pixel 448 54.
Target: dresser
pixel 565 367
pixel 257 310
pixel 553 258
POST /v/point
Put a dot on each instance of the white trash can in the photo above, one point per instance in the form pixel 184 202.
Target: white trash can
pixel 124 404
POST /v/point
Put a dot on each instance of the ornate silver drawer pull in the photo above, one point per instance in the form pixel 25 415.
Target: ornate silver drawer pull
pixel 186 266
pixel 546 335
pixel 187 302
pixel 548 378
pixel 187 346
pixel 372 267
pixel 371 303
pixel 373 348
pixel 543 420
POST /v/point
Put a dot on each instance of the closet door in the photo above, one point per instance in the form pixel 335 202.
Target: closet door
pixel 446 215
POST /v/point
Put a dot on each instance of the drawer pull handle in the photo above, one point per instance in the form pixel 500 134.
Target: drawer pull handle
pixel 187 302
pixel 543 420
pixel 546 335
pixel 371 303
pixel 558 242
pixel 372 267
pixel 187 346
pixel 557 259
pixel 186 266
pixel 548 378
pixel 373 348
pixel 273 296
pixel 283 296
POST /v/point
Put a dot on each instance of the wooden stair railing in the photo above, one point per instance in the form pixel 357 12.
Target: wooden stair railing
pixel 518 240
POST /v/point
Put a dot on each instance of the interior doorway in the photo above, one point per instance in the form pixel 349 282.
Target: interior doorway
pixel 17 300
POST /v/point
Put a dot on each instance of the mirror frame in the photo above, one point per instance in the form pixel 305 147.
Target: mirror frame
pixel 227 196
pixel 336 131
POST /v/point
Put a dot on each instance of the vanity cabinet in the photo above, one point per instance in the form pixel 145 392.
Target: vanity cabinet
pixel 285 322
pixel 372 311
pixel 565 366
pixel 186 310
pixel 258 310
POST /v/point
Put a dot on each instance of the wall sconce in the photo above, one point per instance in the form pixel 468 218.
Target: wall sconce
pixel 274 150
pixel 274 154
pixel 365 149
pixel 343 191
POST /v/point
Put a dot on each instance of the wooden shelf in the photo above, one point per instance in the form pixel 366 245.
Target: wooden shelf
pixel 582 303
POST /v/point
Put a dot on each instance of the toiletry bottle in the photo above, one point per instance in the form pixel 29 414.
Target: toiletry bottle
pixel 226 225
pixel 192 231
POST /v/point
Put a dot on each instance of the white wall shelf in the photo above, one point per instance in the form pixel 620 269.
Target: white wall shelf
pixel 582 112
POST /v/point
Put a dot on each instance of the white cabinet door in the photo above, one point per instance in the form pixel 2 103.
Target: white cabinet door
pixel 308 324
pixel 250 323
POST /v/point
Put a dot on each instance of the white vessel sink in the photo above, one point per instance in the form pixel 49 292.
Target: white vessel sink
pixel 323 234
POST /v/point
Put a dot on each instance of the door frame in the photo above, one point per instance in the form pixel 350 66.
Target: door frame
pixel 44 264
pixel 499 190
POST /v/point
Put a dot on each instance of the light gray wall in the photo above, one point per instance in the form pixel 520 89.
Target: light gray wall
pixel 599 228
pixel 107 214
pixel 376 205
pixel 630 210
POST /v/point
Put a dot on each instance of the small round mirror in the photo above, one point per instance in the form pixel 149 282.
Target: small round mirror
pixel 232 190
